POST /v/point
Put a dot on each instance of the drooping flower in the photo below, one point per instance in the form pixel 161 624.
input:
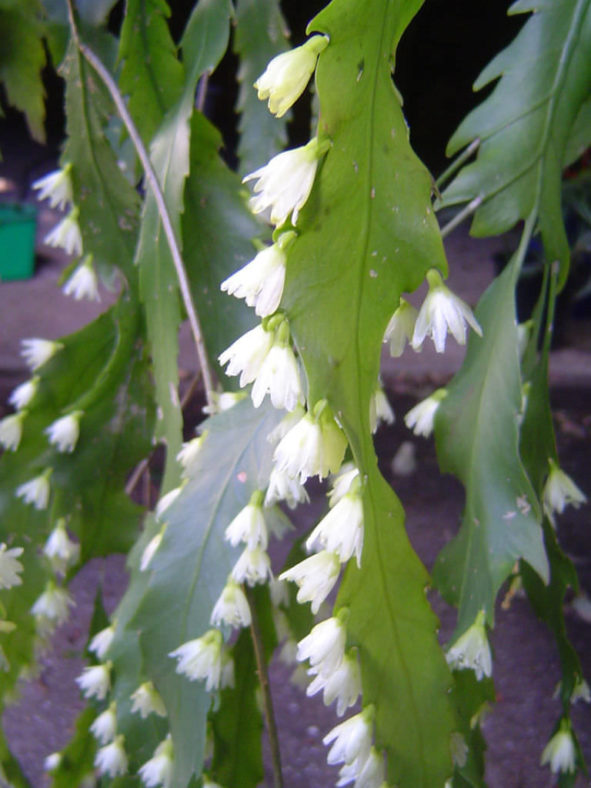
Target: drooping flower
pixel 222 401
pixel 459 749
pixel 260 282
pixel 246 355
pixel 101 642
pixel 95 680
pixel 287 75
pixel 189 453
pixel 53 605
pixel 279 375
pixel 421 418
pixel 23 394
pixel 341 530
pixel 284 488
pixel 324 647
pixel 37 352
pixel 401 328
pixel 379 409
pixel 252 567
pixel 442 311
pixel 36 491
pixel 56 187
pixel 52 762
pixel 60 549
pixel 365 774
pixel 315 576
pixel 560 491
pixel 343 684
pixel 285 183
pixel 10 567
pixel 104 727
pixel 201 659
pixel 83 283
pixel 315 445
pixel 11 430
pixel 146 700
pixel 66 234
pixel 64 432
pixel 167 500
pixel 158 770
pixel 471 650
pixel 249 525
pixel 351 739
pixel 560 752
pixel 151 548
pixel 112 759
pixel 341 482
pixel 279 591
pixel 232 607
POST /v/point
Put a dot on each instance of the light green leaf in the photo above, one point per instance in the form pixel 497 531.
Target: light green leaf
pixel 580 135
pixel 526 123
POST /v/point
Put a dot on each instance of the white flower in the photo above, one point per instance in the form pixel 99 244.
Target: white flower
pixel 341 530
pixel 23 394
pixel 11 430
pixel 471 650
pixel 104 727
pixel 53 604
pixel 341 482
pixel 379 409
pixel 315 445
pixel 560 491
pixel 560 751
pixel 146 700
pixel 166 501
pixel 201 659
pixel 10 568
pixel 401 327
pixel 285 183
pixel 249 525
pixel 246 355
pixel 278 376
pixel 261 281
pixel 158 770
pixel 101 642
pixel 37 352
pixel 421 418
pixel 63 433
pixel 343 684
pixel 36 491
pixel 56 187
pixel 581 691
pixel 231 608
pixel 283 488
pixel 352 739
pixel 287 75
pixel 227 673
pixel 189 453
pixel 83 283
pixel 60 549
pixel 367 774
pixel 442 310
pixel 150 549
pixel 112 759
pixel 52 761
pixel 95 681
pixel 252 567
pixel 324 646
pixel 458 748
pixel 207 783
pixel 66 234
pixel 286 423
pixel 279 592
pixel 404 462
pixel 222 401
pixel 315 576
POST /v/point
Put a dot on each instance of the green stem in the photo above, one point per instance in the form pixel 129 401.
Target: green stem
pixel 459 217
pixel 458 162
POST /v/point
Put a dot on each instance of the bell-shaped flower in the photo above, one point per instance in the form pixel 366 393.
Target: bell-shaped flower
pixel 285 183
pixel 189 453
pixel 279 591
pixel 66 234
pixel 581 691
pixel 315 445
pixel 10 566
pixel 252 567
pixel 201 659
pixel 285 78
pixel 471 650
pixel 83 283
pixel 52 762
pixel 95 681
pixel 36 491
pixel 341 530
pixel 146 700
pixel 249 525
pixel 37 352
pixel 351 740
pixel 421 418
pixel 60 549
pixel 232 607
pixel 341 482
pixel 380 409
pixel 365 774
pixel 279 375
pixel 56 187
pixel 53 605
pixel 459 749
pixel 11 430
pixel 23 394
pixel 104 727
pixel 343 684
pixel 158 770
pixel 111 760
pixel 401 328
pixel 315 577
pixel 324 647
pixel 64 433
pixel 245 356
pixel 101 642
pixel 284 488
pixel 442 311
pixel 560 752
pixel 560 491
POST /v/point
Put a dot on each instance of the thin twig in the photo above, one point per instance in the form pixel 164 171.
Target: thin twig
pixel 257 642
pixel 459 217
pixel 152 179
pixel 458 162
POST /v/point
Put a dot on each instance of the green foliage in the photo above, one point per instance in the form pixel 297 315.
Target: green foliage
pixel 77 757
